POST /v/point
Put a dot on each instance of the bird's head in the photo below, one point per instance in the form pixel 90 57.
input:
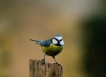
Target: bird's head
pixel 58 40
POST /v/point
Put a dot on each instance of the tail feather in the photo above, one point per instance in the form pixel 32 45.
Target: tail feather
pixel 36 41
pixel 42 43
pixel 32 40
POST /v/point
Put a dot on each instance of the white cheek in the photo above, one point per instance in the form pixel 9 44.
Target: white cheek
pixel 62 42
pixel 54 41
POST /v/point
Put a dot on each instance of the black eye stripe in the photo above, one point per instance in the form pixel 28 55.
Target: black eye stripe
pixel 61 40
pixel 57 39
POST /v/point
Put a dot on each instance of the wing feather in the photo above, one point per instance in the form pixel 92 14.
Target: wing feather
pixel 43 42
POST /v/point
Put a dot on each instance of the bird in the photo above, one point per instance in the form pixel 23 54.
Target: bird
pixel 51 47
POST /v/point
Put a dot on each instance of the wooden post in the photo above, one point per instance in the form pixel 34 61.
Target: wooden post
pixel 37 69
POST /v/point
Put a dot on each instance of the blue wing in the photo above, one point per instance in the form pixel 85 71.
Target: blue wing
pixel 43 42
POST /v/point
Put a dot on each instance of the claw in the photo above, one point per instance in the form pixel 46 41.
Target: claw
pixel 57 64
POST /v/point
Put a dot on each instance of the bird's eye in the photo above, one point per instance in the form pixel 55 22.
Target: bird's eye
pixel 61 40
pixel 54 41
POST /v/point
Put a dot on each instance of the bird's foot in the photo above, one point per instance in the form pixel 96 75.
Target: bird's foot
pixel 57 64
pixel 43 61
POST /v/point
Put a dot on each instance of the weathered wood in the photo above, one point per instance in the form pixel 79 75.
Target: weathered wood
pixel 37 69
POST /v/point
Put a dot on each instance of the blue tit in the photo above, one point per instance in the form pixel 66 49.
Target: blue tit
pixel 51 47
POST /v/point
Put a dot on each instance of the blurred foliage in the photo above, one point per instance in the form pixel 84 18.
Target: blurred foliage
pixel 4 59
pixel 5 54
pixel 95 45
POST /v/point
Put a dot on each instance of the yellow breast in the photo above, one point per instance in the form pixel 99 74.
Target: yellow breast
pixel 52 50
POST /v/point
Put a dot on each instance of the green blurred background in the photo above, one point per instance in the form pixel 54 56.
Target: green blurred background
pixel 82 23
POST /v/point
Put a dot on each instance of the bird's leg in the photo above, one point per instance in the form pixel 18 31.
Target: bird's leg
pixel 54 59
pixel 43 60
